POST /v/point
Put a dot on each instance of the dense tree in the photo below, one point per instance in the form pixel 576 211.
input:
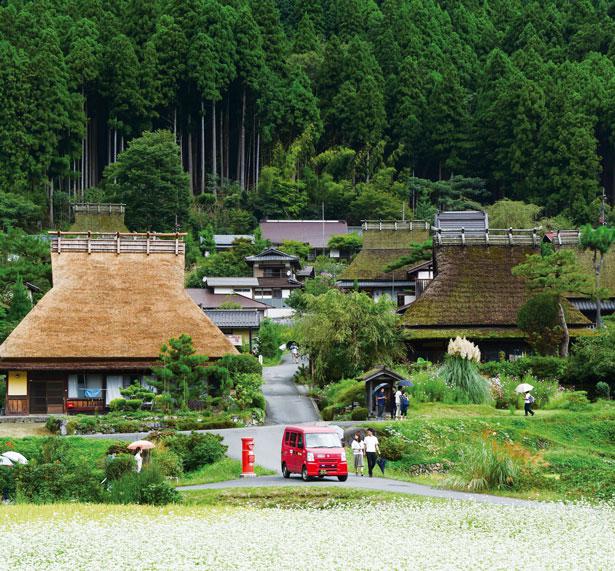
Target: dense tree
pixel 148 178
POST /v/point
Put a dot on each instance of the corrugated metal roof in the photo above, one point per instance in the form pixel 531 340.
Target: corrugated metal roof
pixel 470 220
pixel 235 317
pixel 316 233
pixel 228 239
pixel 384 283
pixel 590 305
pixel 222 282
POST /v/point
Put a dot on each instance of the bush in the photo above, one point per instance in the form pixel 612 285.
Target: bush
pixel 54 423
pixel 158 494
pixel 269 338
pixel 117 405
pixel 592 359
pixel 539 318
pixel 329 412
pixel 463 377
pixel 393 447
pixel 163 403
pixel 169 463
pixel 241 364
pixel 248 392
pixel 344 393
pixel 486 465
pixel 430 387
pixel 603 391
pixel 543 368
pixel 359 413
pixel 116 468
pixel 196 450
pixel 570 400
pixel 148 487
pixel 138 391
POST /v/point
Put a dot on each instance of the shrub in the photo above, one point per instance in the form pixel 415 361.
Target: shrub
pixel 592 359
pixel 486 465
pixel 116 468
pixel 462 375
pixel 569 400
pixel 344 393
pixel 132 404
pixel 248 393
pixel 393 447
pixel 163 402
pixel 169 463
pixel 541 367
pixel 359 413
pixel 148 487
pixel 196 450
pixel 241 364
pixel 138 392
pixel 603 391
pixel 429 387
pixel 158 494
pixel 539 318
pixel 54 423
pixel 269 338
pixel 329 412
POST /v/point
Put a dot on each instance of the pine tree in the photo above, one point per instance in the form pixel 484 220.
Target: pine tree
pixel 20 302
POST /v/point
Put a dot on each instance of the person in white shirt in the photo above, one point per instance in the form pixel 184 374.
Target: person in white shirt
pixel 372 449
pixel 139 460
pixel 398 404
pixel 528 402
pixel 358 450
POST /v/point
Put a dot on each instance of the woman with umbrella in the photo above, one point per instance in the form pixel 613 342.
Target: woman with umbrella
pixel 528 399
pixel 139 447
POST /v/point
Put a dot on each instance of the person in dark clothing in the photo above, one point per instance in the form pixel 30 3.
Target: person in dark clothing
pixel 380 403
pixel 405 402
pixel 529 401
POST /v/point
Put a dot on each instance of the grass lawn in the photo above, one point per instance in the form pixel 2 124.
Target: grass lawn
pixel 568 455
pixel 225 469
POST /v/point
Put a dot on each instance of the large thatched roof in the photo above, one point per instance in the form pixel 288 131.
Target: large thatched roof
pixel 109 307
pixel 380 249
pixel 475 289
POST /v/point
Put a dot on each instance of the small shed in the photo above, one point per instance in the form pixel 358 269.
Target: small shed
pixel 375 377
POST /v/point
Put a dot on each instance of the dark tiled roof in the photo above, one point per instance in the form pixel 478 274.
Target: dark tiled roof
pixel 307 231
pixel 284 283
pixel 474 286
pixel 208 300
pixel 235 317
pixel 272 255
pixel 470 220
pixel 381 248
pixel 381 371
pixel 306 271
pixel 228 239
pixel 229 282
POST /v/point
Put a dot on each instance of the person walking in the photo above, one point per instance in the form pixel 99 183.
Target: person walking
pixel 372 449
pixel 139 460
pixel 405 403
pixel 398 394
pixel 358 451
pixel 380 403
pixel 529 401
pixel 294 351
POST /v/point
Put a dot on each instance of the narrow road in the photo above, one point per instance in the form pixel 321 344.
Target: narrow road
pixel 285 403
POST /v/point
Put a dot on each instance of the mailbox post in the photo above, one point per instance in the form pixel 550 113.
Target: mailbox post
pixel 247 457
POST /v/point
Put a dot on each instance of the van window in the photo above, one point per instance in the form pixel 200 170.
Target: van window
pixel 300 441
pixel 323 440
pixel 287 437
pixel 293 438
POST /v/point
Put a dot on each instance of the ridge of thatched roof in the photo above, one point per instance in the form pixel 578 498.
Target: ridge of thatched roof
pixel 107 306
pixel 380 249
pixel 474 286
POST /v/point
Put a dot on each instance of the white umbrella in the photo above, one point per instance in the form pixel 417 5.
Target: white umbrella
pixel 142 444
pixel 4 461
pixel 524 388
pixel 15 457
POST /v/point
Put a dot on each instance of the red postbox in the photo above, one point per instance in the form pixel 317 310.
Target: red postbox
pixel 247 457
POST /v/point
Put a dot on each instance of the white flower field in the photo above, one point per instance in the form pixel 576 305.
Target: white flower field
pixel 408 534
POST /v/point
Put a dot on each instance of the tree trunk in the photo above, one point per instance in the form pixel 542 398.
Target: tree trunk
pixel 563 349
pixel 175 123
pixel 190 158
pixel 221 129
pixel 598 270
pixel 114 144
pixel 214 150
pixel 202 146
pixel 242 146
pixel 51 203
pixel 227 153
pixel 258 157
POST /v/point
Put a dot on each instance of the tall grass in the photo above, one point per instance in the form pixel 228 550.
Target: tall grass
pixel 463 376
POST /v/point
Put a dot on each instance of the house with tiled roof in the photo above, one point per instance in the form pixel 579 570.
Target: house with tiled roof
pixel 315 233
pixel 385 243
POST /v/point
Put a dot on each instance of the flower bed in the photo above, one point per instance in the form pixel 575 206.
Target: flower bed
pixel 476 536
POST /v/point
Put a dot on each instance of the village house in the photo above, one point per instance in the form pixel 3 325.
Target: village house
pixel 115 300
pixel 384 243
pixel 474 294
pixel 226 241
pixel 315 233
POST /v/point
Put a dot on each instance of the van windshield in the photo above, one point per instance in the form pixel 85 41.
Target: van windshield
pixel 323 440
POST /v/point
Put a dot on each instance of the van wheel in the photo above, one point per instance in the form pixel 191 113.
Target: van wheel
pixel 304 474
pixel 342 478
pixel 285 471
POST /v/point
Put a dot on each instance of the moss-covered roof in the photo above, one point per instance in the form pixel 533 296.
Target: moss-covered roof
pixel 103 222
pixel 380 249
pixel 482 333
pixel 474 286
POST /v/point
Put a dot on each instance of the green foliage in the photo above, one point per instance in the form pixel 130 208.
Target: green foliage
pixel 539 318
pixel 196 449
pixel 593 359
pixel 269 338
pixel 248 392
pixel 181 374
pixel 463 376
pixel 543 368
pixel 576 401
pixel 359 413
pixel 137 391
pixel 347 333
pixel 421 252
pixel 116 468
pixel 148 177
pixel 146 487
pixel 486 465
pixel 349 243
pixel 294 248
pixel 508 213
pixel 18 211
pixel 429 386
pixel 603 391
pixel 169 463
pixel 240 364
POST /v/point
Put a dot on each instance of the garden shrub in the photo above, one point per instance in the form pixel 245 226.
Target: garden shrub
pixel 122 464
pixel 576 401
pixel 329 412
pixel 542 367
pixel 132 404
pixel 218 380
pixel 241 364
pixel 136 391
pixel 603 391
pixel 196 450
pixel 486 465
pixel 163 403
pixel 117 404
pixel 158 494
pixel 54 423
pixel 248 392
pixel 359 413
pixel 393 447
pixel 592 359
pixel 428 386
pixel 196 404
pixel 147 487
pixel 344 393
pixel 269 338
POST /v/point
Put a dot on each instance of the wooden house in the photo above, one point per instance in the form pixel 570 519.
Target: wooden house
pixel 115 300
pixel 474 294
pixel 315 233
pixel 383 244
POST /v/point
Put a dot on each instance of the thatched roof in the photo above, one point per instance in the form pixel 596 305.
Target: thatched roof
pixel 381 248
pixel 112 307
pixel 473 289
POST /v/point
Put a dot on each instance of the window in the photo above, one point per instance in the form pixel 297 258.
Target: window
pixel 287 437
pixel 323 440
pixel 277 294
pixel 300 441
pixel 85 385
pixel 293 439
pixel 273 272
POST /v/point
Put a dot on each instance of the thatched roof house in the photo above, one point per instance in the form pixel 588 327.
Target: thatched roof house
pixel 115 300
pixel 384 244
pixel 474 294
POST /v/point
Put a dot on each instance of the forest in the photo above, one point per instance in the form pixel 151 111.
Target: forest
pixel 294 108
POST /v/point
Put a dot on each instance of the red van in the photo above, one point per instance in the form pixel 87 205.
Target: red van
pixel 313 452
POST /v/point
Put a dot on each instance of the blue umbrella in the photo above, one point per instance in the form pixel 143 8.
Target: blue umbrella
pixel 405 383
pixel 380 386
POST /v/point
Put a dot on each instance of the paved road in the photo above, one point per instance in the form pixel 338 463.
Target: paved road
pixel 285 402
